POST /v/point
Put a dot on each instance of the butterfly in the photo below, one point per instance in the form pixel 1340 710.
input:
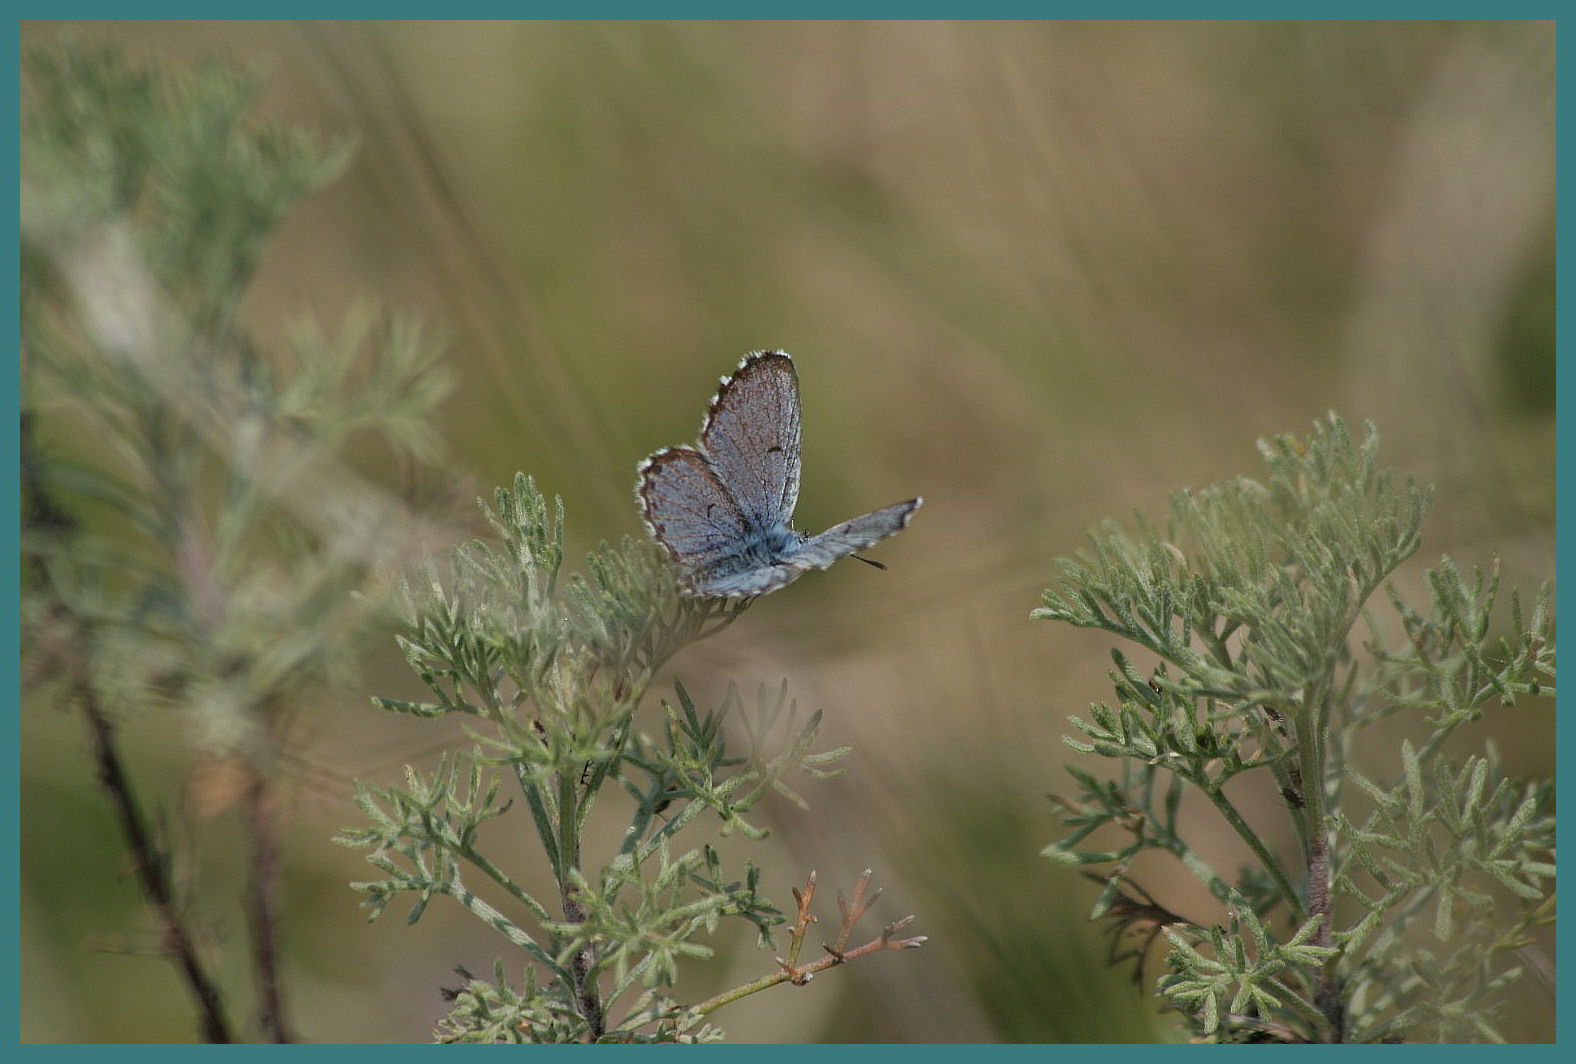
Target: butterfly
pixel 722 508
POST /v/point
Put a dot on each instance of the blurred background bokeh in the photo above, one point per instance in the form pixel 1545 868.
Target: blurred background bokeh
pixel 1039 273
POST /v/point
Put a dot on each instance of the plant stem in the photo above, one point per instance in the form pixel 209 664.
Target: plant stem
pixel 151 867
pixel 1313 722
pixel 260 809
pixel 727 997
pixel 152 870
pixel 1256 844
pixel 587 996
pixel 799 976
pixel 789 971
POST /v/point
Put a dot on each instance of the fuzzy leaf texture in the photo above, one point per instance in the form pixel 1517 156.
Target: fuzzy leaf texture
pixel 1260 608
pixel 549 671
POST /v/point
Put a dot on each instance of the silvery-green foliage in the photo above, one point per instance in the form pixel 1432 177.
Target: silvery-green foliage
pixel 1416 876
pixel 551 671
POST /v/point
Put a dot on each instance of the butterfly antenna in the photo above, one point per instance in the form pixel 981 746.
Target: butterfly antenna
pixel 868 561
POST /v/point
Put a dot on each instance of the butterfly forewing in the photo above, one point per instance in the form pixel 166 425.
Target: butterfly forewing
pixel 751 437
pixel 818 552
pixel 840 541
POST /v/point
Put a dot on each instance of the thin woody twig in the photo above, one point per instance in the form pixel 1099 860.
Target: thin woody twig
pixel 790 971
pixel 153 871
pixel 853 911
pixel 262 902
pixel 151 862
pixel 801 926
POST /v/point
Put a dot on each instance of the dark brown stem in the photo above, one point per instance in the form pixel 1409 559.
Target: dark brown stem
pixel 42 515
pixel 153 872
pixel 262 900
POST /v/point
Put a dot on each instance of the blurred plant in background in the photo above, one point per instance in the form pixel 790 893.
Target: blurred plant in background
pixel 230 567
pixel 1416 874
pixel 557 674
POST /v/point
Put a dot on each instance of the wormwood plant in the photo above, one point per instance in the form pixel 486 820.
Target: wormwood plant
pixel 553 672
pixel 1278 648
pixel 191 543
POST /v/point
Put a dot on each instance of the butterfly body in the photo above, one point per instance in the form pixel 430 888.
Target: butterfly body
pixel 723 508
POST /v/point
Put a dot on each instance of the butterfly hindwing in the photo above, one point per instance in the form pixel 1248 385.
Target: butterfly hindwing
pixel 695 517
pixel 744 583
pixel 688 509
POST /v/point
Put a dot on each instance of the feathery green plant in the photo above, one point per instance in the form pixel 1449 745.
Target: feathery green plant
pixel 554 671
pixel 191 542
pixel 1414 875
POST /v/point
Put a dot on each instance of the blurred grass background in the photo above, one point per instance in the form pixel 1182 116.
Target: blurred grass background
pixel 1040 273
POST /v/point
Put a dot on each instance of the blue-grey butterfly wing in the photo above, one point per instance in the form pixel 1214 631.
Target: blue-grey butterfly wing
pixel 744 583
pixel 751 437
pixel 839 541
pixel 722 511
pixel 696 519
pixel 817 552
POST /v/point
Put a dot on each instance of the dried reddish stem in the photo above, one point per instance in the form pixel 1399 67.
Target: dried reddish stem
pixel 852 912
pixel 791 971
